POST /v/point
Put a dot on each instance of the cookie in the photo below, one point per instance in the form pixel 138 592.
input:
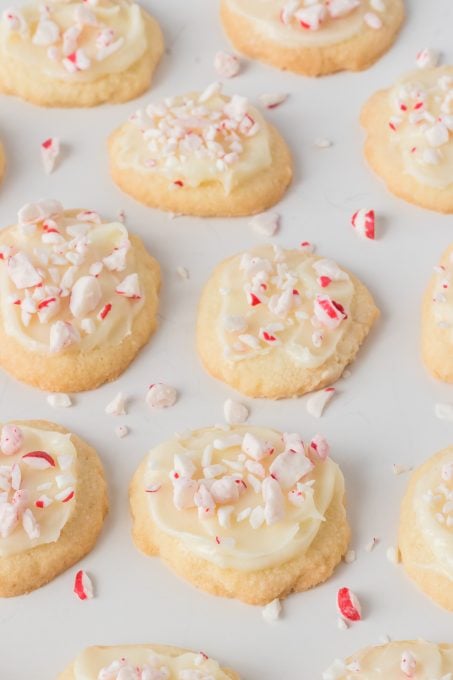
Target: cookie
pixel 77 53
pixel 279 323
pixel 145 661
pixel 246 513
pixel 426 528
pixel 437 320
pixel 78 298
pixel 202 154
pixel 313 38
pixel 53 502
pixel 396 660
pixel 409 142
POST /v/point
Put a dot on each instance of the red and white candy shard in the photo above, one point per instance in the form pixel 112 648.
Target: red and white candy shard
pixel 227 65
pixel 317 402
pixel 349 605
pixel 50 151
pixel 271 101
pixel 83 586
pixel 266 224
pixel 39 460
pixel 130 287
pixel 320 444
pixel 160 395
pixel 364 221
pixel 11 439
pixel 328 312
pixel 427 58
pixel 408 664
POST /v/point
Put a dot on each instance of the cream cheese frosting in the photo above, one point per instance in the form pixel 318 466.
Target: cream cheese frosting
pixel 73 40
pixel 38 483
pixel 442 300
pixel 283 300
pixel 197 138
pixel 304 23
pixel 142 662
pixel 246 498
pixel 422 125
pixel 68 280
pixel 433 509
pixel 396 661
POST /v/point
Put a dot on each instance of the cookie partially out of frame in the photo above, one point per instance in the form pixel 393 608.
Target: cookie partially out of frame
pixel 112 663
pixel 437 320
pixel 78 298
pixel 409 141
pixel 2 162
pixel 44 530
pixel 396 660
pixel 78 54
pixel 247 513
pixel 202 154
pixel 426 528
pixel 313 39
pixel 279 323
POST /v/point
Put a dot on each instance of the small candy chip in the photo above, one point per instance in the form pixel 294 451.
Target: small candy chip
pixel 444 411
pixel 235 413
pixel 392 555
pixel 83 586
pixel 322 143
pixel 121 431
pixel 227 65
pixel 271 101
pixel 271 612
pixel 321 446
pixel 50 150
pixel 427 58
pixel 60 400
pixel 266 224
pixel 350 557
pixel 364 222
pixel 117 407
pixel 39 460
pixel 317 402
pixel 183 273
pixel 160 395
pixel 11 439
pixel 408 664
pixel 348 605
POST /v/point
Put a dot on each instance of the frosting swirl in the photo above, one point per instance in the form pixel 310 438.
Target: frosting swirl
pixel 38 482
pixel 246 498
pixel 197 138
pixel 67 280
pixel 74 40
pixel 282 300
pixel 421 126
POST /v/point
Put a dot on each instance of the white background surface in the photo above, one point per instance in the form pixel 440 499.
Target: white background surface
pixel 383 413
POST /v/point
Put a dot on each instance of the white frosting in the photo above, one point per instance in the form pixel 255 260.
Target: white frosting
pixel 442 300
pixel 141 662
pixel 73 40
pixel 396 661
pixel 304 23
pixel 195 139
pixel 433 508
pixel 422 125
pixel 67 280
pixel 245 498
pixel 35 502
pixel 275 300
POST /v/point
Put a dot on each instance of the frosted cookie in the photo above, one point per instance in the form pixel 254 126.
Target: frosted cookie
pixel 279 323
pixel 201 154
pixel 53 501
pixel 409 141
pixel 437 320
pixel 247 513
pixel 426 528
pixel 145 662
pixel 313 38
pixel 78 298
pixel 395 661
pixel 74 53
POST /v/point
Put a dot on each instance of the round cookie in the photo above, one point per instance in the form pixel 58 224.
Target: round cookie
pixel 409 140
pixel 313 39
pixel 53 502
pixel 202 154
pixel 116 663
pixel 77 54
pixel 394 661
pixel 437 320
pixel 246 513
pixel 279 323
pixel 426 528
pixel 78 298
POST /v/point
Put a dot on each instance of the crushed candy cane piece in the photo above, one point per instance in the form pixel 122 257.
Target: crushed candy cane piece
pixel 121 431
pixel 265 224
pixel 226 64
pixel 83 586
pixel 271 101
pixel 371 544
pixel 392 554
pixel 408 664
pixel 160 395
pixel 317 402
pixel 183 273
pixel 272 611
pixel 59 400
pixel 235 413
pixel 350 557
pixel 427 58
pixel 11 439
pixel 39 460
pixel 349 605
pixel 50 151
pixel 117 407
pixel 444 411
pixel 364 222
pixel 322 143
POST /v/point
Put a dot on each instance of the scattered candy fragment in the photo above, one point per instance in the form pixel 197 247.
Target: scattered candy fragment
pixel 226 64
pixel 60 400
pixel 235 413
pixel 160 395
pixel 371 544
pixel 11 439
pixel 408 664
pixel 444 411
pixel 121 431
pixel 266 224
pixel 183 273
pixel 271 612
pixel 364 222
pixel 427 58
pixel 392 555
pixel 50 150
pixel 317 402
pixel 350 557
pixel 322 143
pixel 349 605
pixel 83 586
pixel 117 407
pixel 271 101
